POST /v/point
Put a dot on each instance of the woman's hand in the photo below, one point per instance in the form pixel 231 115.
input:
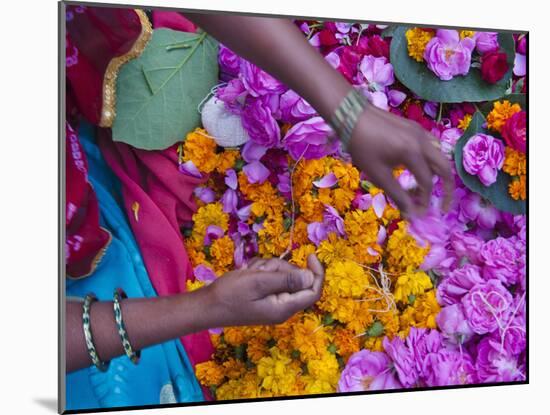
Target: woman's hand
pixel 382 141
pixel 266 292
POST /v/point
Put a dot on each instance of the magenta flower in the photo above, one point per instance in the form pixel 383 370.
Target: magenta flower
pixel 486 42
pixel 487 305
pixel 467 245
pixel 260 125
pixel 453 324
pixel 502 260
pixel 459 282
pixel 229 61
pixel 256 172
pixel 294 108
pixel 449 367
pixel 448 139
pixel 333 221
pixel 474 208
pixel 258 82
pixel 233 95
pixel 483 156
pixel 403 361
pixel 448 56
pixel 316 232
pixel 367 370
pixel 309 139
pixel 493 364
pixel 377 73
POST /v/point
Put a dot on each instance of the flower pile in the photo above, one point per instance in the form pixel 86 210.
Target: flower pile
pixel 436 301
pixel 449 53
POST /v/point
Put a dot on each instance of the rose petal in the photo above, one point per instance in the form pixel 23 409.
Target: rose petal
pixel 253 151
pixel 379 204
pixel 189 168
pixel 204 274
pixel 256 172
pixel 231 179
pixel 327 181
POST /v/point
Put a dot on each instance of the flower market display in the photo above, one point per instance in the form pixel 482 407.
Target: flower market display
pixel 435 301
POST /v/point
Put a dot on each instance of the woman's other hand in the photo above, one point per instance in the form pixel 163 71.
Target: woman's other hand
pixel 268 291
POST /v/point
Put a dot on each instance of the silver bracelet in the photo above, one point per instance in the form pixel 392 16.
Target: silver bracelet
pixel 346 115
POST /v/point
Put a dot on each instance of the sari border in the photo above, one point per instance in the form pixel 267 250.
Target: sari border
pixel 108 108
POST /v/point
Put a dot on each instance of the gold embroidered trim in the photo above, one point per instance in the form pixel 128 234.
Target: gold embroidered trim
pixel 108 111
pixel 96 259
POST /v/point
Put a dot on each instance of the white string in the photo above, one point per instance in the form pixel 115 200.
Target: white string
pixel 212 91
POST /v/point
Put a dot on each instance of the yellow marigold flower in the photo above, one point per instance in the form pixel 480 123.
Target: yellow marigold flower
pixel 209 373
pixel 466 33
pixel 361 227
pixel 374 344
pixel 346 342
pixel 515 162
pixel 342 309
pixel 518 188
pixel 417 39
pixel 211 214
pixel 411 283
pixel 309 337
pixel 422 313
pixel 276 373
pixel 226 160
pixel 222 250
pixel 326 368
pixel 311 209
pixel 201 150
pixel 342 199
pixel 345 278
pixel 325 196
pixel 299 255
pixel 193 285
pixel 246 387
pixel 273 239
pixel 465 122
pixel 300 231
pixel 317 386
pixel 334 249
pixel 500 113
pixel 402 251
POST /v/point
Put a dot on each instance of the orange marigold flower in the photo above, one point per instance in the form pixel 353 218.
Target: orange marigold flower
pixel 209 373
pixel 222 250
pixel 500 113
pixel 518 188
pixel 515 162
pixel 346 342
pixel 201 150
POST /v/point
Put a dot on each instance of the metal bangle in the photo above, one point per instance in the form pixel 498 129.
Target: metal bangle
pixel 347 114
pixel 88 300
pixel 121 328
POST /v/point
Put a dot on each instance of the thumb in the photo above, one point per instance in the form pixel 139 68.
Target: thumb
pixel 269 282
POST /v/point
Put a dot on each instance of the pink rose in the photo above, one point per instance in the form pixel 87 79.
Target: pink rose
pixel 483 156
pixel 447 55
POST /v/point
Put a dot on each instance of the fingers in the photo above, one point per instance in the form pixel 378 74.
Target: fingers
pixel 423 175
pixel 265 283
pixel 383 178
pixel 441 166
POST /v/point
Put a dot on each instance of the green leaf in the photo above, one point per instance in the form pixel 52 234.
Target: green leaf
pixel 389 31
pixel 497 193
pixel 471 88
pixel 376 329
pixel 158 93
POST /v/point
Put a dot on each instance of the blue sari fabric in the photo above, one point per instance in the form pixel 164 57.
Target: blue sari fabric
pixel 164 373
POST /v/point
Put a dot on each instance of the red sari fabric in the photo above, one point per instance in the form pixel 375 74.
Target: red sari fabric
pixel 157 197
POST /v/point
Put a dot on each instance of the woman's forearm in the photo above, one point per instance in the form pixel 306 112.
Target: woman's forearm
pixel 278 47
pixel 148 321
